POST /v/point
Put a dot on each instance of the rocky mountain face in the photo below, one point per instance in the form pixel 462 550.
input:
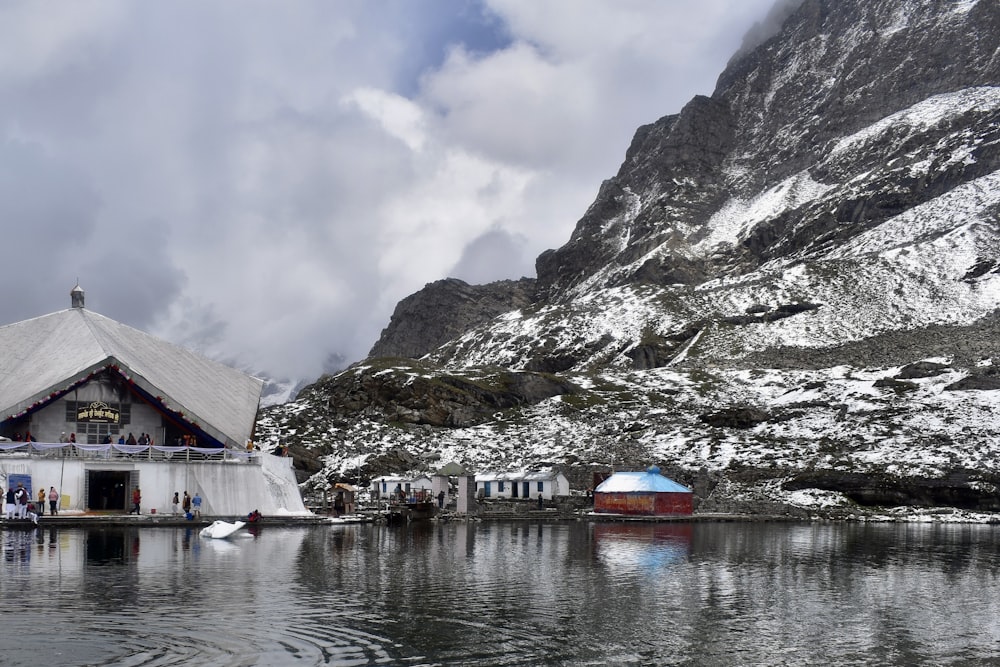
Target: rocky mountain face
pixel 445 309
pixel 786 297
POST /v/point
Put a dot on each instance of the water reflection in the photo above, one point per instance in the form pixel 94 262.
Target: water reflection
pixel 649 546
pixel 505 594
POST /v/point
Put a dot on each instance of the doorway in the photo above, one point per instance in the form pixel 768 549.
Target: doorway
pixel 107 490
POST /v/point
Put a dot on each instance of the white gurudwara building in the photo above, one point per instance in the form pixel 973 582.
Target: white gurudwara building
pixel 96 408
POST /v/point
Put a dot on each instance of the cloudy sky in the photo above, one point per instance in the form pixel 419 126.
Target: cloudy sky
pixel 263 181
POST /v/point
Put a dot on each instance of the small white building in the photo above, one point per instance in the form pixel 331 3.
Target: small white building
pixel 384 487
pixel 525 485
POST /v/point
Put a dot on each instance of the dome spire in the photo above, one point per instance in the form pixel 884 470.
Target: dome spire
pixel 76 295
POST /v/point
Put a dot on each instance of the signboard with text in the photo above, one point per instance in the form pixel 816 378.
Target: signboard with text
pixel 98 411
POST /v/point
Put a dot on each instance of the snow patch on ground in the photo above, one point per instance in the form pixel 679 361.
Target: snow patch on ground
pixel 737 217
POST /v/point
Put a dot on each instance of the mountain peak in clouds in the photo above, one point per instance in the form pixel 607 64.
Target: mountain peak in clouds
pixel 800 246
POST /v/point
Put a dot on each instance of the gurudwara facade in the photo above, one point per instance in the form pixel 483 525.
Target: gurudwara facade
pixel 96 409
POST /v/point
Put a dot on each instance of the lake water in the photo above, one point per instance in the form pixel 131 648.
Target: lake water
pixel 505 594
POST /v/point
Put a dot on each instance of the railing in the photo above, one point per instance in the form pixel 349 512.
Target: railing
pixel 163 453
pixel 412 497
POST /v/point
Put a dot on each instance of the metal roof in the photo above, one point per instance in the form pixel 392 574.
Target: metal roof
pixel 518 476
pixel 45 355
pixel 640 482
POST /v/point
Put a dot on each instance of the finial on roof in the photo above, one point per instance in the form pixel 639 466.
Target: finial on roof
pixel 76 296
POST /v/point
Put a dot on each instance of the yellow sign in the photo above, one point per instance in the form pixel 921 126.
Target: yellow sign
pixel 98 411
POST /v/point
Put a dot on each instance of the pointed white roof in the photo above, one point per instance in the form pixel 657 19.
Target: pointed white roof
pixel 44 356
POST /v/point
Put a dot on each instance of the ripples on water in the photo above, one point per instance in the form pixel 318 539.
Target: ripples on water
pixel 503 594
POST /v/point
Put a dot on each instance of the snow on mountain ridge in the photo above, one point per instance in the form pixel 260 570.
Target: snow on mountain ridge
pixel 924 115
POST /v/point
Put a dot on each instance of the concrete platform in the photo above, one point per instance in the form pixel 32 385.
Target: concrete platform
pixel 88 520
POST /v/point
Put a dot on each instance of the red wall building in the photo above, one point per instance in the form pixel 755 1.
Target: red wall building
pixel 643 494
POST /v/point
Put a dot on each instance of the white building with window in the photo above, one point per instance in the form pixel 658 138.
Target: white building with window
pixel 524 485
pixel 389 486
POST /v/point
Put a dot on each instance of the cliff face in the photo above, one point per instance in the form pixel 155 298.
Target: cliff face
pixel 798 274
pixel 445 309
pixel 782 113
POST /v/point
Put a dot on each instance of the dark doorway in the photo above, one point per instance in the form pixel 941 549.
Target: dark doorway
pixel 107 490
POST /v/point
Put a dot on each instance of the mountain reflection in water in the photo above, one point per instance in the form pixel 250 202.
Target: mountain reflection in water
pixel 504 594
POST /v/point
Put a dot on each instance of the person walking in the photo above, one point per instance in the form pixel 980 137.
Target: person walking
pixel 196 504
pixel 136 501
pixel 53 501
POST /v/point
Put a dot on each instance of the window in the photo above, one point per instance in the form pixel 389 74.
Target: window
pixel 499 487
pixel 541 486
pixel 96 433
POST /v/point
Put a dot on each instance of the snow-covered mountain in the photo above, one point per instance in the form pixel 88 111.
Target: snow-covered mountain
pixel 788 293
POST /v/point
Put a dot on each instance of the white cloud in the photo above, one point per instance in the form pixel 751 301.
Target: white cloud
pixel 263 181
pixel 399 116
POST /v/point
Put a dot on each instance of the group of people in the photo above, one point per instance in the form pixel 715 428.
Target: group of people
pixel 191 506
pixel 18 503
pixel 143 439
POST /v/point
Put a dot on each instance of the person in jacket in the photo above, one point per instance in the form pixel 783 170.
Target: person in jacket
pixel 41 502
pixel 21 495
pixel 11 501
pixel 136 500
pixel 53 501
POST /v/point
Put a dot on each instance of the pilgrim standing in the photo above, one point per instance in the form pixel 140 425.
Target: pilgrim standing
pixel 10 503
pixel 53 501
pixel 187 504
pixel 196 504
pixel 174 504
pixel 136 500
pixel 41 502
pixel 22 501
